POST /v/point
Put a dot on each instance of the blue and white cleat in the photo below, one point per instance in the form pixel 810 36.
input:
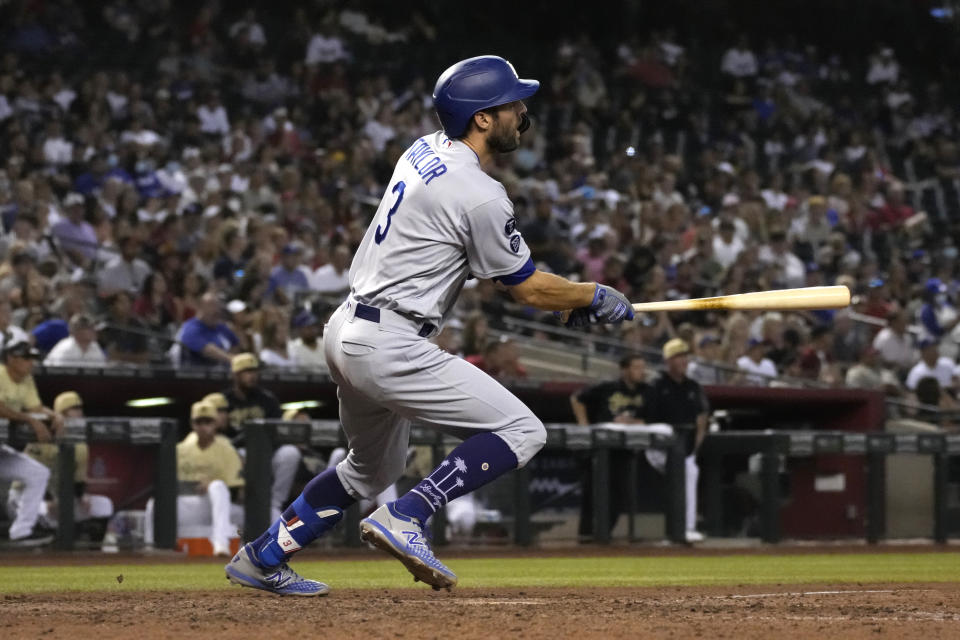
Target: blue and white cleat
pixel 282 580
pixel 403 538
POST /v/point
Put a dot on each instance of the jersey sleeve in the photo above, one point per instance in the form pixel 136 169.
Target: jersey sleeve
pixel 495 248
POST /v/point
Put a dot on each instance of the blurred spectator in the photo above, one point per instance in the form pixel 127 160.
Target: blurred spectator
pixel 475 333
pixel 206 341
pixel 288 278
pixel 333 277
pixel 80 348
pixel 9 333
pixel 816 362
pixel 704 368
pixel 739 61
pixel 931 365
pixel 125 272
pixel 894 344
pixel 122 336
pixel 154 305
pixel 306 350
pixel 757 369
pixel 867 373
pixel 937 316
pixel 77 237
pixel 275 351
pixel 500 359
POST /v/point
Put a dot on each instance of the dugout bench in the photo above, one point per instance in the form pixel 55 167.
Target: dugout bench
pixel 773 445
pixel 160 433
pixel 263 435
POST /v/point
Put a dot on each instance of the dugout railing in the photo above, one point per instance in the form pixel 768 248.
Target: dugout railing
pixel 262 435
pixel 157 433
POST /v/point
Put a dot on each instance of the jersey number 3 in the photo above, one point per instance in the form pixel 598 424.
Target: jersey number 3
pixel 381 234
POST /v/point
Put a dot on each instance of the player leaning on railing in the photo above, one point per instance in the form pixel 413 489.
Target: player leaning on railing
pixel 441 220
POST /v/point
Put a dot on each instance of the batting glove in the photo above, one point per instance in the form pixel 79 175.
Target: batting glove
pixel 610 306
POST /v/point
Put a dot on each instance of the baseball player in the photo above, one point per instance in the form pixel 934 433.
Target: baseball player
pixel 442 219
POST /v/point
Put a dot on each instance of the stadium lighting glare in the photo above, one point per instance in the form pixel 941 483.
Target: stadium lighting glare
pixel 302 404
pixel 141 403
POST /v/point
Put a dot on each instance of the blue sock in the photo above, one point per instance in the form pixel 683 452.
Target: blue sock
pixel 318 509
pixel 474 463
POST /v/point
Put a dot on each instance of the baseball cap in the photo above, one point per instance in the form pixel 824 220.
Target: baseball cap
pixel 244 362
pixel 305 319
pixel 708 340
pixel 675 347
pixel 928 342
pixel 816 200
pixel 935 285
pixel 291 249
pixel 21 349
pixel 236 306
pixel 72 199
pixel 67 400
pixel 203 411
pixel 731 200
pixel 218 400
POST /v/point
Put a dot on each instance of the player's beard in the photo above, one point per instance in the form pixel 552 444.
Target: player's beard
pixel 503 138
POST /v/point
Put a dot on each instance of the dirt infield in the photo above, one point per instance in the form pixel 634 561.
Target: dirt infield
pixel 926 611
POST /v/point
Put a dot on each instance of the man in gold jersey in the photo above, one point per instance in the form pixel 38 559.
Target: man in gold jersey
pixel 20 402
pixel 208 470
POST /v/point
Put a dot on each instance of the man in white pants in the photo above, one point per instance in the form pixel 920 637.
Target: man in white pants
pixel 91 511
pixel 19 402
pixel 679 401
pixel 208 468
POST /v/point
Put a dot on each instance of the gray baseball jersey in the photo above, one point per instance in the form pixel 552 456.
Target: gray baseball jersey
pixel 441 220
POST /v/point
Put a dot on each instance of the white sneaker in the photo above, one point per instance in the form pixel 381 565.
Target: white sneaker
pixel 222 550
pixel 405 539
pixel 692 535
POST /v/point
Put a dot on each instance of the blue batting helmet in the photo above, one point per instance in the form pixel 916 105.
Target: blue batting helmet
pixel 473 85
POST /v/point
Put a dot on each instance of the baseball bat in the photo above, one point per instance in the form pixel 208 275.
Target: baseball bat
pixel 805 298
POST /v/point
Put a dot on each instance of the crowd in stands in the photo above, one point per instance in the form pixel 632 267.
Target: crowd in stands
pixel 194 193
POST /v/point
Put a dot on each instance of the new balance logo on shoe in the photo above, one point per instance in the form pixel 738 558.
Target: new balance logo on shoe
pixel 278 579
pixel 413 537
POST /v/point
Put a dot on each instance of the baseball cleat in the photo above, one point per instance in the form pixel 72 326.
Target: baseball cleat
pixel 403 538
pixel 282 580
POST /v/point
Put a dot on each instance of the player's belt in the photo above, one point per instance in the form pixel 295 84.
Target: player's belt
pixel 372 314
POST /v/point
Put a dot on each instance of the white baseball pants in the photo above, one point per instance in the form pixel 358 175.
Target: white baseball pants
pixel 388 377
pixel 15 465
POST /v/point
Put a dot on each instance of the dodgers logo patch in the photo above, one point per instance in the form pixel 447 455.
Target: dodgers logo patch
pixel 515 243
pixel 510 227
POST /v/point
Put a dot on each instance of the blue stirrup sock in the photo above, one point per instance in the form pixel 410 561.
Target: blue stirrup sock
pixel 475 462
pixel 317 510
